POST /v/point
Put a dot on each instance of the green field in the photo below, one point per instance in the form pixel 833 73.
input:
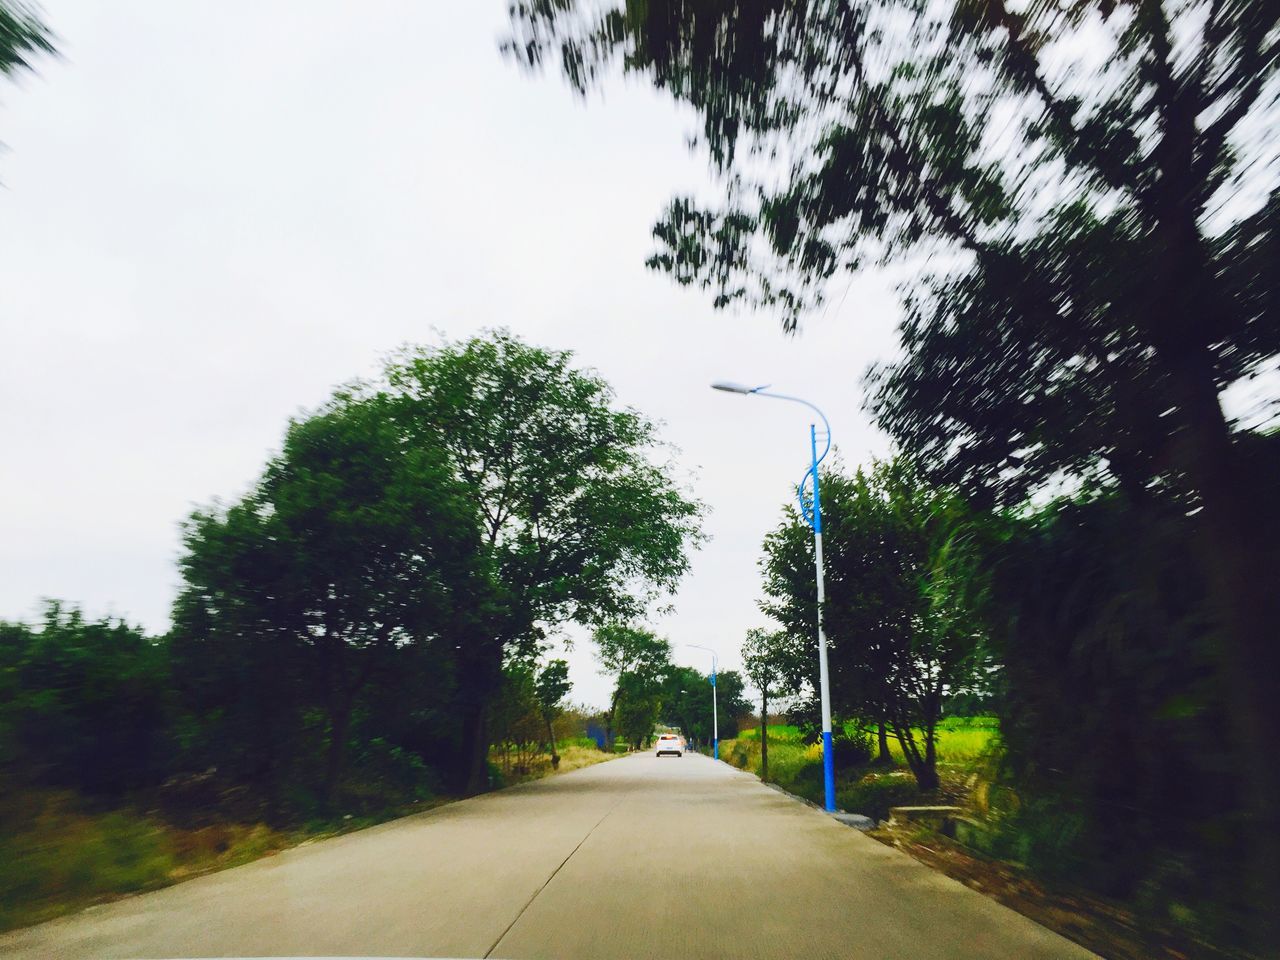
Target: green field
pixel 961 741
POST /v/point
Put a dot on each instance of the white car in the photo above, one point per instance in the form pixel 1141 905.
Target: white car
pixel 670 743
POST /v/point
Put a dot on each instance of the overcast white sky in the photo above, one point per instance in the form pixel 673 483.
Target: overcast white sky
pixel 213 213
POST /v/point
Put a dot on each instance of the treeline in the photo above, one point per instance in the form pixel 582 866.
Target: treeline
pixel 358 615
pixel 649 688
pixel 1085 624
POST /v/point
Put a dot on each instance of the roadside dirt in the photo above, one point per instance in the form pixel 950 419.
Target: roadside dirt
pixel 1105 928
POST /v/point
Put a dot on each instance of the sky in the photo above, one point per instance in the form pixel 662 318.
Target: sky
pixel 215 213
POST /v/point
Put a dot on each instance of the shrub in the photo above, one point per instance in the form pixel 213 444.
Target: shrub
pixel 60 856
pixel 874 795
pixel 851 751
pixel 742 754
pixel 399 773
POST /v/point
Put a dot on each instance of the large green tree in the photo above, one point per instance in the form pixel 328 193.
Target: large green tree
pixel 904 600
pixel 352 547
pixel 577 505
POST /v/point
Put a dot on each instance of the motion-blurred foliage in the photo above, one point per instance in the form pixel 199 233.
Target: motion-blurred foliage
pixel 1083 199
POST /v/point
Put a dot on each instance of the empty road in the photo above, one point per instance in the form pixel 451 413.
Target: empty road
pixel 638 857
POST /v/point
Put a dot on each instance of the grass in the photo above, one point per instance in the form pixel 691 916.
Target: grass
pixel 782 731
pixel 56 855
pixel 574 755
pixel 961 741
pixel 959 747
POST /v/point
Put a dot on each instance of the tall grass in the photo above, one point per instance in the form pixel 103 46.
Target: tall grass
pixel 55 857
pixel 961 741
pixel 957 747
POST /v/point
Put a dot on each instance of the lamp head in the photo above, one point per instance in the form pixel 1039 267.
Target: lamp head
pixel 730 387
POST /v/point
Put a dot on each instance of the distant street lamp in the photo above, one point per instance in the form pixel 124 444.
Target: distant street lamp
pixel 715 720
pixel 813 514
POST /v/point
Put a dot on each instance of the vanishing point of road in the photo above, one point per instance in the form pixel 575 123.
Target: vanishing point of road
pixel 637 857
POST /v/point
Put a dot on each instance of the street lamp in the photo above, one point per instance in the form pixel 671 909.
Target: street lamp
pixel 715 720
pixel 813 514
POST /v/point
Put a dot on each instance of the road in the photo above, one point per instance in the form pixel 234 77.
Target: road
pixel 638 857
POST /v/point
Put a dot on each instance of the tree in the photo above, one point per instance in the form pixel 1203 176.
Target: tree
pixel 686 702
pixel 517 717
pixel 904 597
pixel 637 704
pixel 351 547
pixel 1087 182
pixel 773 663
pixel 84 705
pixel 637 659
pixel 582 525
pixel 730 693
pixel 551 686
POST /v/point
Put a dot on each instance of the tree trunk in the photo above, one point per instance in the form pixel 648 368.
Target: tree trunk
pixel 472 775
pixel 339 729
pixel 609 734
pixel 885 758
pixel 1241 572
pixel 923 768
pixel 764 733
pixel 551 740
pixel 1186 311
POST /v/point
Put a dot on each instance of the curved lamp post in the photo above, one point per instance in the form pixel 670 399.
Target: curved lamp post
pixel 811 509
pixel 715 720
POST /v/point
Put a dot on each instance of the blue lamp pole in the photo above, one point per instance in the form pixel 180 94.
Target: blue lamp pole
pixel 811 509
pixel 715 719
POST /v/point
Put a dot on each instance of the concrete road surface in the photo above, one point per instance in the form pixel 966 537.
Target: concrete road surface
pixel 638 857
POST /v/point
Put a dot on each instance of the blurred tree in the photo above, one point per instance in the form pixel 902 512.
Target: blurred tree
pixel 1112 714
pixel 23 36
pixel 84 705
pixel 551 686
pixel 637 659
pixel 773 661
pixel 583 526
pixel 351 547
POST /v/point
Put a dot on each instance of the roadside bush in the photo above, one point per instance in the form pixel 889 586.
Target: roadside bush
pixel 852 750
pixel 396 771
pixel 742 754
pixel 805 781
pixel 497 780
pixel 875 794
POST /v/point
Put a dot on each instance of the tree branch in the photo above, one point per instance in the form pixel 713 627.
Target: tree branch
pixel 1022 65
